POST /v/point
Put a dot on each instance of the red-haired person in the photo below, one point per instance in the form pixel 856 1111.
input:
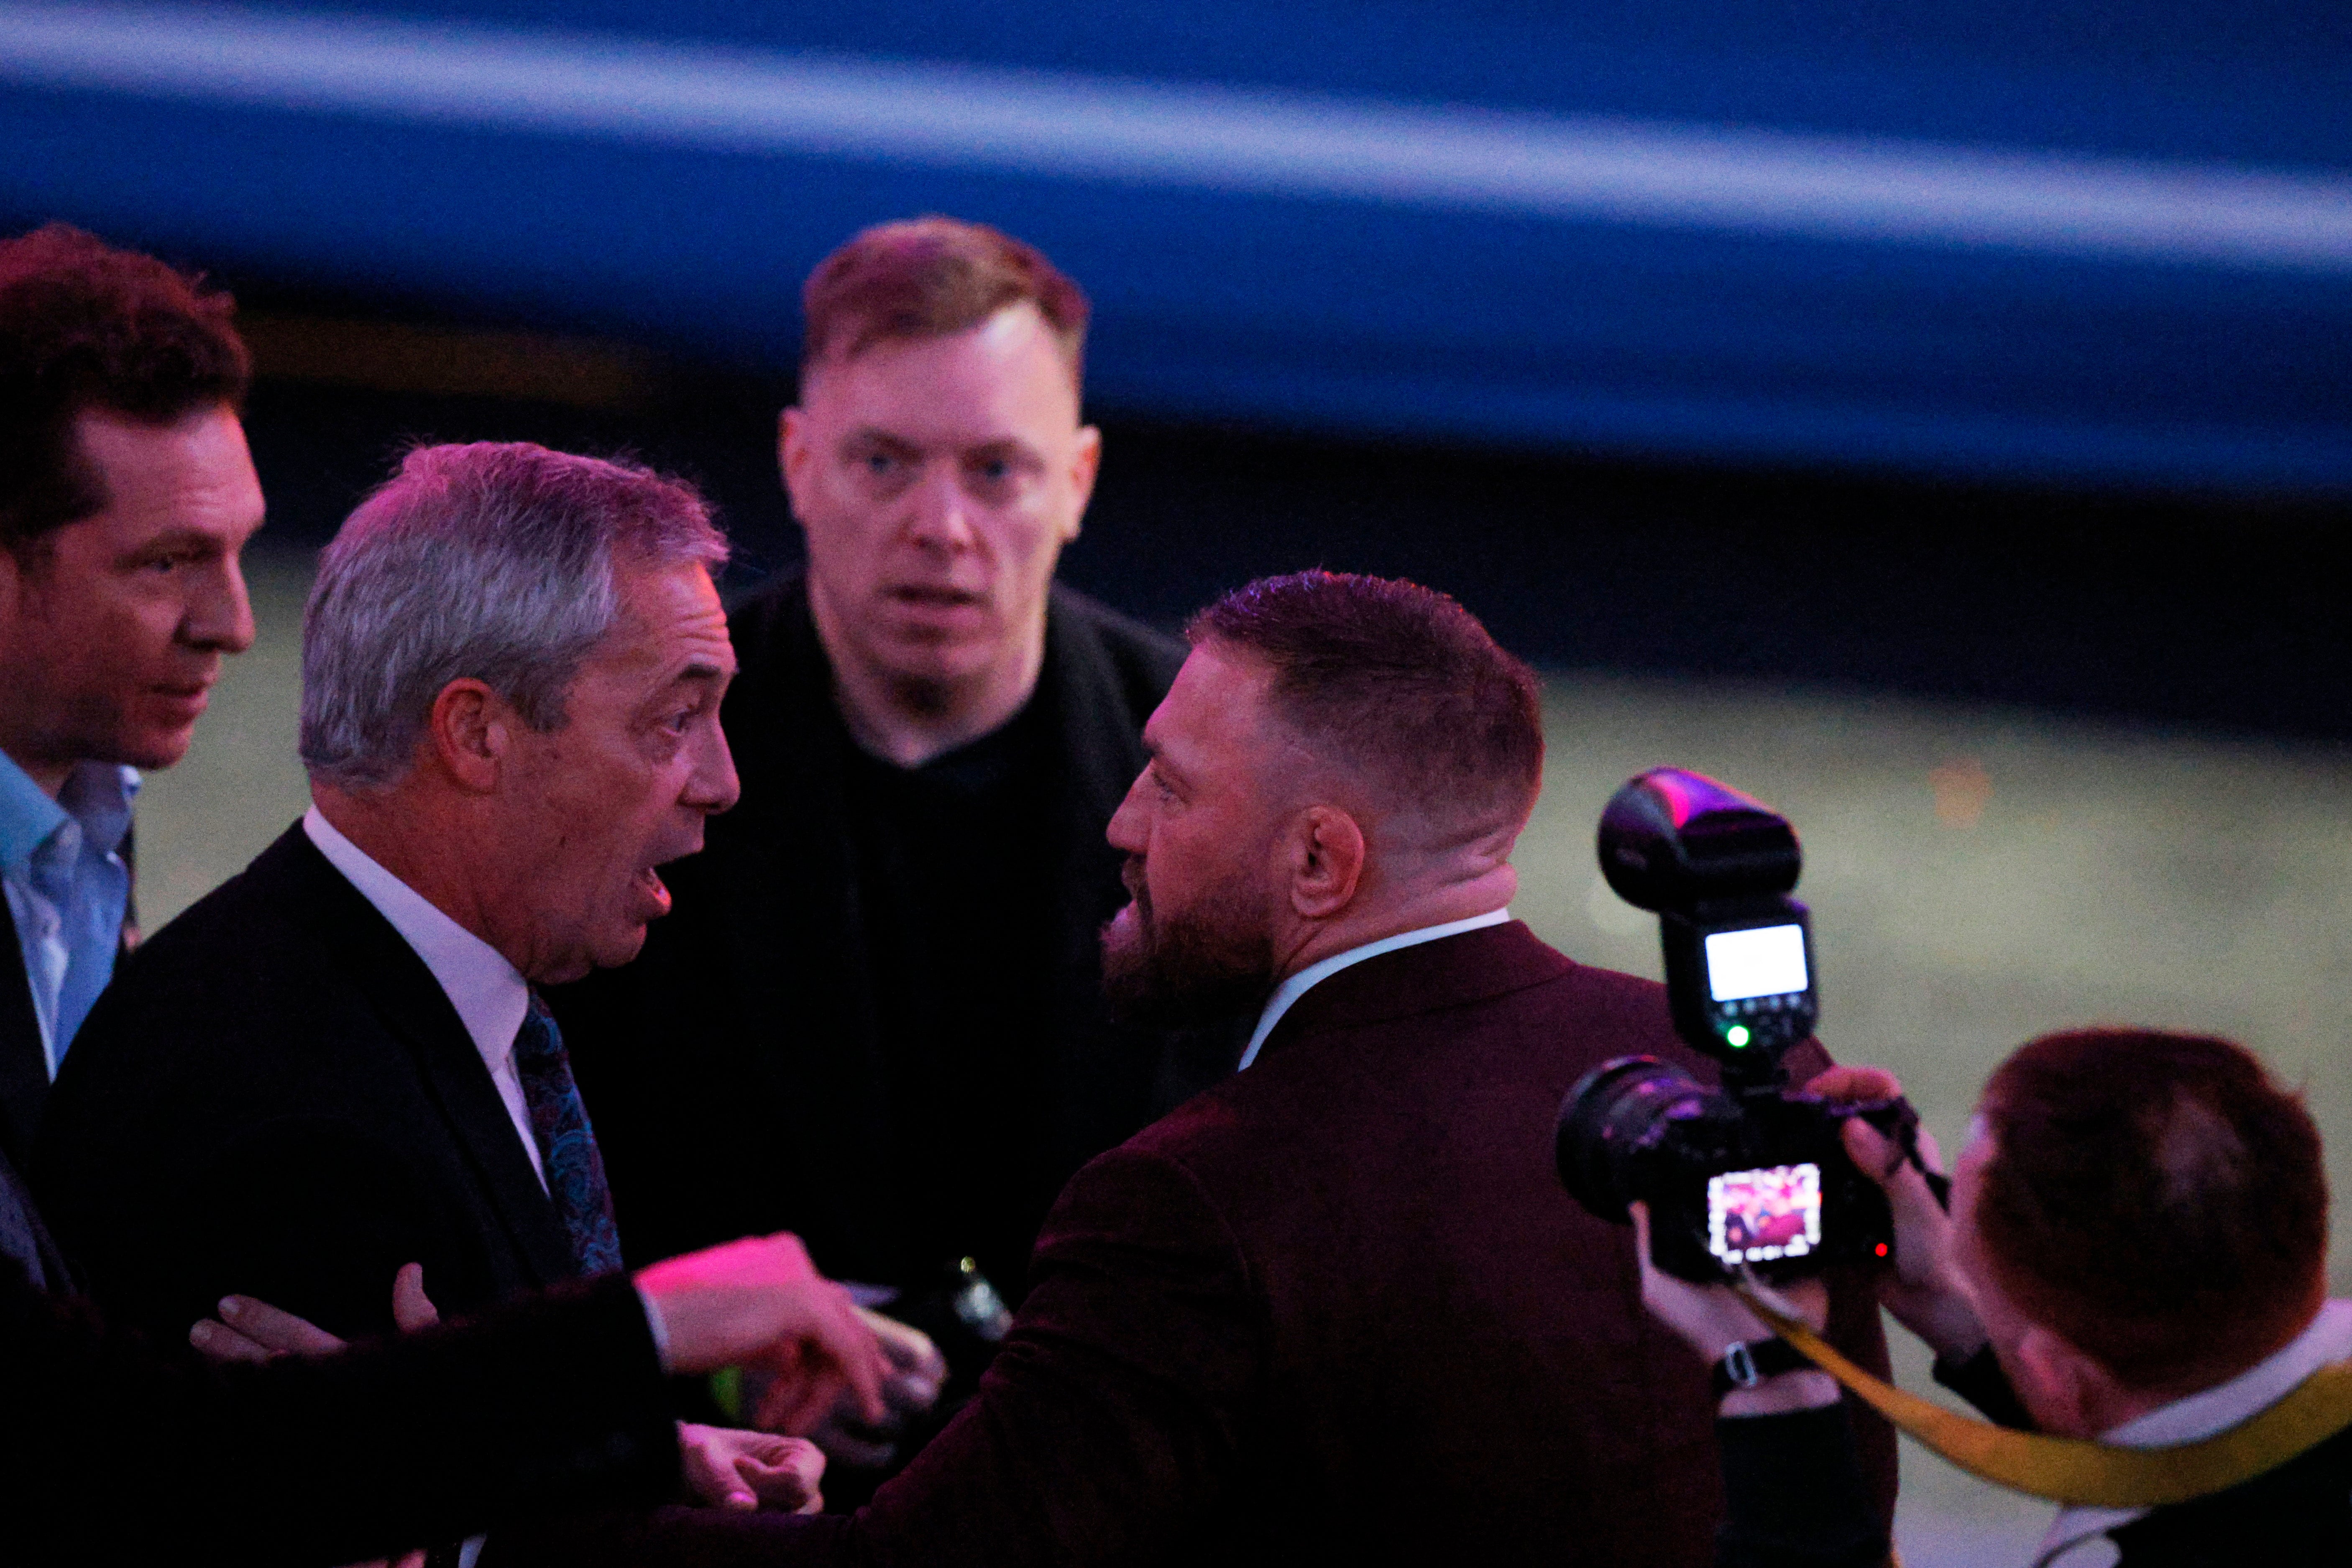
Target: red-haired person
pixel 2137 1252
pixel 878 999
pixel 1334 1309
pixel 126 495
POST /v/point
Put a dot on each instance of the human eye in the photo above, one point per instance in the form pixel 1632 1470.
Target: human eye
pixel 169 561
pixel 881 466
pixel 996 475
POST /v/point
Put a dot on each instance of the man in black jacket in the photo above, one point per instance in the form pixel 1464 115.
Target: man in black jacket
pixel 2136 1253
pixel 875 1016
pixel 335 1064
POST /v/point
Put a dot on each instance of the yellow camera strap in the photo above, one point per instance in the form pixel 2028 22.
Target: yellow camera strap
pixel 2096 1475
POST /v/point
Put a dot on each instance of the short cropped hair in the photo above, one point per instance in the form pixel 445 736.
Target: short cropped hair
pixel 1398 683
pixel 2156 1198
pixel 929 278
pixel 85 326
pixel 494 562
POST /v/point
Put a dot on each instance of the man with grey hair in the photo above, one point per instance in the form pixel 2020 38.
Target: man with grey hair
pixel 337 1066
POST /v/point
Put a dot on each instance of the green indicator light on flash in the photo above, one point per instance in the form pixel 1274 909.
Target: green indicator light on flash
pixel 1737 1035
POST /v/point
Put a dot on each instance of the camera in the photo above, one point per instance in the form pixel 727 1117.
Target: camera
pixel 1751 1175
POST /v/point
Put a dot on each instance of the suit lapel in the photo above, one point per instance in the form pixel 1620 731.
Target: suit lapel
pixel 24 1064
pixel 24 1238
pixel 364 946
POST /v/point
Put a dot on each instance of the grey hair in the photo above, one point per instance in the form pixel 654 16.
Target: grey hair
pixel 493 561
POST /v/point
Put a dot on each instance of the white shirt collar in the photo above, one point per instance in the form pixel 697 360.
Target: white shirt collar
pixel 1298 985
pixel 489 993
pixel 2328 1339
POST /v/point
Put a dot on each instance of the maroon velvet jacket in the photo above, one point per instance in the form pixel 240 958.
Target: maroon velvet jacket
pixel 1336 1307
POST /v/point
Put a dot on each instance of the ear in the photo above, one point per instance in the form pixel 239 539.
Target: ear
pixel 469 733
pixel 793 453
pixel 1085 462
pixel 2066 1389
pixel 1327 861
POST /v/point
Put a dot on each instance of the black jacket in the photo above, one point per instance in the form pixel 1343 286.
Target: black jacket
pixel 24 1063
pixel 112 1453
pixel 735 1071
pixel 23 1092
pixel 275 1097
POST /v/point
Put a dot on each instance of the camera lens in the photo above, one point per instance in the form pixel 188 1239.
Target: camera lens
pixel 1614 1114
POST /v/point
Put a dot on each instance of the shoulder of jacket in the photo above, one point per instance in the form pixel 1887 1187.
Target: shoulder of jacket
pixel 1146 660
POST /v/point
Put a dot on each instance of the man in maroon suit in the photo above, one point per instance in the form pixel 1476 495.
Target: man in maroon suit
pixel 1335 1308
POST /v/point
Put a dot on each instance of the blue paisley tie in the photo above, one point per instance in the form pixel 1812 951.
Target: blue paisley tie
pixel 567 1144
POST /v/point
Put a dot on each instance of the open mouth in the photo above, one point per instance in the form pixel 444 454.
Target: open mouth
pixel 657 892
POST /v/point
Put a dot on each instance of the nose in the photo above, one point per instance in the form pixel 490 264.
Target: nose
pixel 219 617
pixel 1126 831
pixel 942 519
pixel 712 787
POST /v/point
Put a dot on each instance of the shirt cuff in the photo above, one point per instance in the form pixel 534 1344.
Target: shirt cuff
pixel 657 1327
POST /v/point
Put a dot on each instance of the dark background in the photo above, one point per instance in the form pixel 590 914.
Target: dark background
pixel 2215 612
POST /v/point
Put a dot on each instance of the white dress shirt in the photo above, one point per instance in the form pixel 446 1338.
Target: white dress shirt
pixel 1298 985
pixel 2078 1536
pixel 489 993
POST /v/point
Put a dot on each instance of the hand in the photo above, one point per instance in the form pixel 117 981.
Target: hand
pixel 1923 1290
pixel 746 1470
pixel 917 1373
pixel 1711 1319
pixel 251 1330
pixel 760 1304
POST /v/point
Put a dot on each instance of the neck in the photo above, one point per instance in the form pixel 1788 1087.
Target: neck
pixel 422 847
pixel 910 720
pixel 1401 910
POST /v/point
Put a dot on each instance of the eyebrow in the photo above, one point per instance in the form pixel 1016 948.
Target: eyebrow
pixel 867 435
pixel 1012 445
pixel 179 539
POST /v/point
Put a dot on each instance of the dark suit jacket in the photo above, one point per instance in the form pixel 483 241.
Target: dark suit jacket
pixel 275 1097
pixel 24 1061
pixel 1336 1309
pixel 24 1092
pixel 735 1071
pixel 112 1454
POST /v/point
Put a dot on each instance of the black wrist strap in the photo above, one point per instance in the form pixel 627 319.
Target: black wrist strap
pixel 1746 1365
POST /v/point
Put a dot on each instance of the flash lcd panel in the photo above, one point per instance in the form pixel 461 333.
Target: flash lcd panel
pixel 1766 961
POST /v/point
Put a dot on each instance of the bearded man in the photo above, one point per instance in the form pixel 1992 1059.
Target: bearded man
pixel 1335 1308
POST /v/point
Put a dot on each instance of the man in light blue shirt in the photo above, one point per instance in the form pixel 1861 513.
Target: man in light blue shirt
pixel 126 496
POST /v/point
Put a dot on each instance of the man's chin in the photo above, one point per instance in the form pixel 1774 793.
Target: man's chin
pixel 1175 985
pixel 150 750
pixel 612 951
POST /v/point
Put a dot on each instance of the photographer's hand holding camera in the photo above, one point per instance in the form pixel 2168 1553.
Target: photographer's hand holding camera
pixel 1794 1489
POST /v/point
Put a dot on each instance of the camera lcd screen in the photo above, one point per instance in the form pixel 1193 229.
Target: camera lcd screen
pixel 1755 1216
pixel 1766 961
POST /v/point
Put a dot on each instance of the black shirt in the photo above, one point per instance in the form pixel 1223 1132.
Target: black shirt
pixel 954 877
